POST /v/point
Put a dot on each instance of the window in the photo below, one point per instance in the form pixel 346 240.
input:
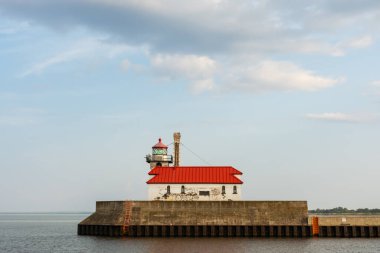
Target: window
pixel 168 189
pixel 159 151
pixel 235 190
pixel 204 193
pixel 182 189
pixel 159 164
pixel 223 189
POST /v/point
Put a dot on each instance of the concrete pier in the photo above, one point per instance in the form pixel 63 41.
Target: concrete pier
pixel 285 219
pixel 197 219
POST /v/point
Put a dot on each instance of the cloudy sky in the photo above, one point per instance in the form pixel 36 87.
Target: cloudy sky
pixel 288 92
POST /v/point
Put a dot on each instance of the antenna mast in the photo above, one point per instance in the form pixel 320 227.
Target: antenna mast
pixel 177 141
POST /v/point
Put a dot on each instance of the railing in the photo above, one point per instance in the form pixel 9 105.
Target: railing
pixel 159 158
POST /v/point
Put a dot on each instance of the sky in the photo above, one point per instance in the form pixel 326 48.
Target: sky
pixel 288 92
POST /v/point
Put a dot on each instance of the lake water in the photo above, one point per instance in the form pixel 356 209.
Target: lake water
pixel 58 233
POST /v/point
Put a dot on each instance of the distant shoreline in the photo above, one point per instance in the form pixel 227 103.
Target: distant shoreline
pixel 345 211
pixel 345 214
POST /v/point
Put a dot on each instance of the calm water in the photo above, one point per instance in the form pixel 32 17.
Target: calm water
pixel 57 233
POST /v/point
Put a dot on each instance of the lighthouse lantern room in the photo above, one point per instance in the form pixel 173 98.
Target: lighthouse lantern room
pixel 159 156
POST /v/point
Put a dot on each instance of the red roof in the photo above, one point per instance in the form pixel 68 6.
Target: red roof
pixel 195 175
pixel 159 144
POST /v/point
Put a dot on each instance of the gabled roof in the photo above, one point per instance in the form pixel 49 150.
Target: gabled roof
pixel 195 175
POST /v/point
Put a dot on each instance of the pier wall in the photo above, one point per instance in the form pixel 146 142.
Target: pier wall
pixel 221 219
pixel 151 213
pixel 219 213
pixel 347 220
pixel 198 218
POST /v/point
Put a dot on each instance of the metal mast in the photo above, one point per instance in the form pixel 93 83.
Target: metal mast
pixel 177 141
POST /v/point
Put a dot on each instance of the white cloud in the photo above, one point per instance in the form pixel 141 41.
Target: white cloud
pixel 341 117
pixel 361 42
pixel 203 85
pixel 201 73
pixel 198 70
pixel 277 75
pixel 197 41
pixel 87 47
pixel 334 49
pixel 341 48
pixel 74 52
pixel 202 27
pixel 62 57
pixel 178 66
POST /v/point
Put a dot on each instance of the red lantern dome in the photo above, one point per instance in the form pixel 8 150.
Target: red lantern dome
pixel 159 144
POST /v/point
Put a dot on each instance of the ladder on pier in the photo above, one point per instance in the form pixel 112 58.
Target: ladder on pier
pixel 127 217
pixel 315 226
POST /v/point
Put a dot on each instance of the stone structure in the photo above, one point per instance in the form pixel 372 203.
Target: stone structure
pixel 217 219
pixel 197 218
pixel 151 213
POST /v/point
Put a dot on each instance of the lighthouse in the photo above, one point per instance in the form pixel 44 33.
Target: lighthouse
pixel 159 156
pixel 189 183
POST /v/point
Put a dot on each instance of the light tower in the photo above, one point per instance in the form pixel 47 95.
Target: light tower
pixel 159 156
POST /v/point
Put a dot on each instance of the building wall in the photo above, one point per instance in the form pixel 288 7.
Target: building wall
pixel 159 192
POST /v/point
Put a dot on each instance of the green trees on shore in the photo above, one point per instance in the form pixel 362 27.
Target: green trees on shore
pixel 340 210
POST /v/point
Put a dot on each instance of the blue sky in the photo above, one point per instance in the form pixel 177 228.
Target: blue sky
pixel 287 93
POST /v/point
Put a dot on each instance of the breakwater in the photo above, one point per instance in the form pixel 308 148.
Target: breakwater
pixel 215 219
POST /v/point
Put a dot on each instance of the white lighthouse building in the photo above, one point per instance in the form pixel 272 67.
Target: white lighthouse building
pixel 189 182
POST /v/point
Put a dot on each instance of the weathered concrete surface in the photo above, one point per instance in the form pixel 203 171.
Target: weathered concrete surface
pixel 345 220
pixel 107 213
pixel 199 213
pixel 220 219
